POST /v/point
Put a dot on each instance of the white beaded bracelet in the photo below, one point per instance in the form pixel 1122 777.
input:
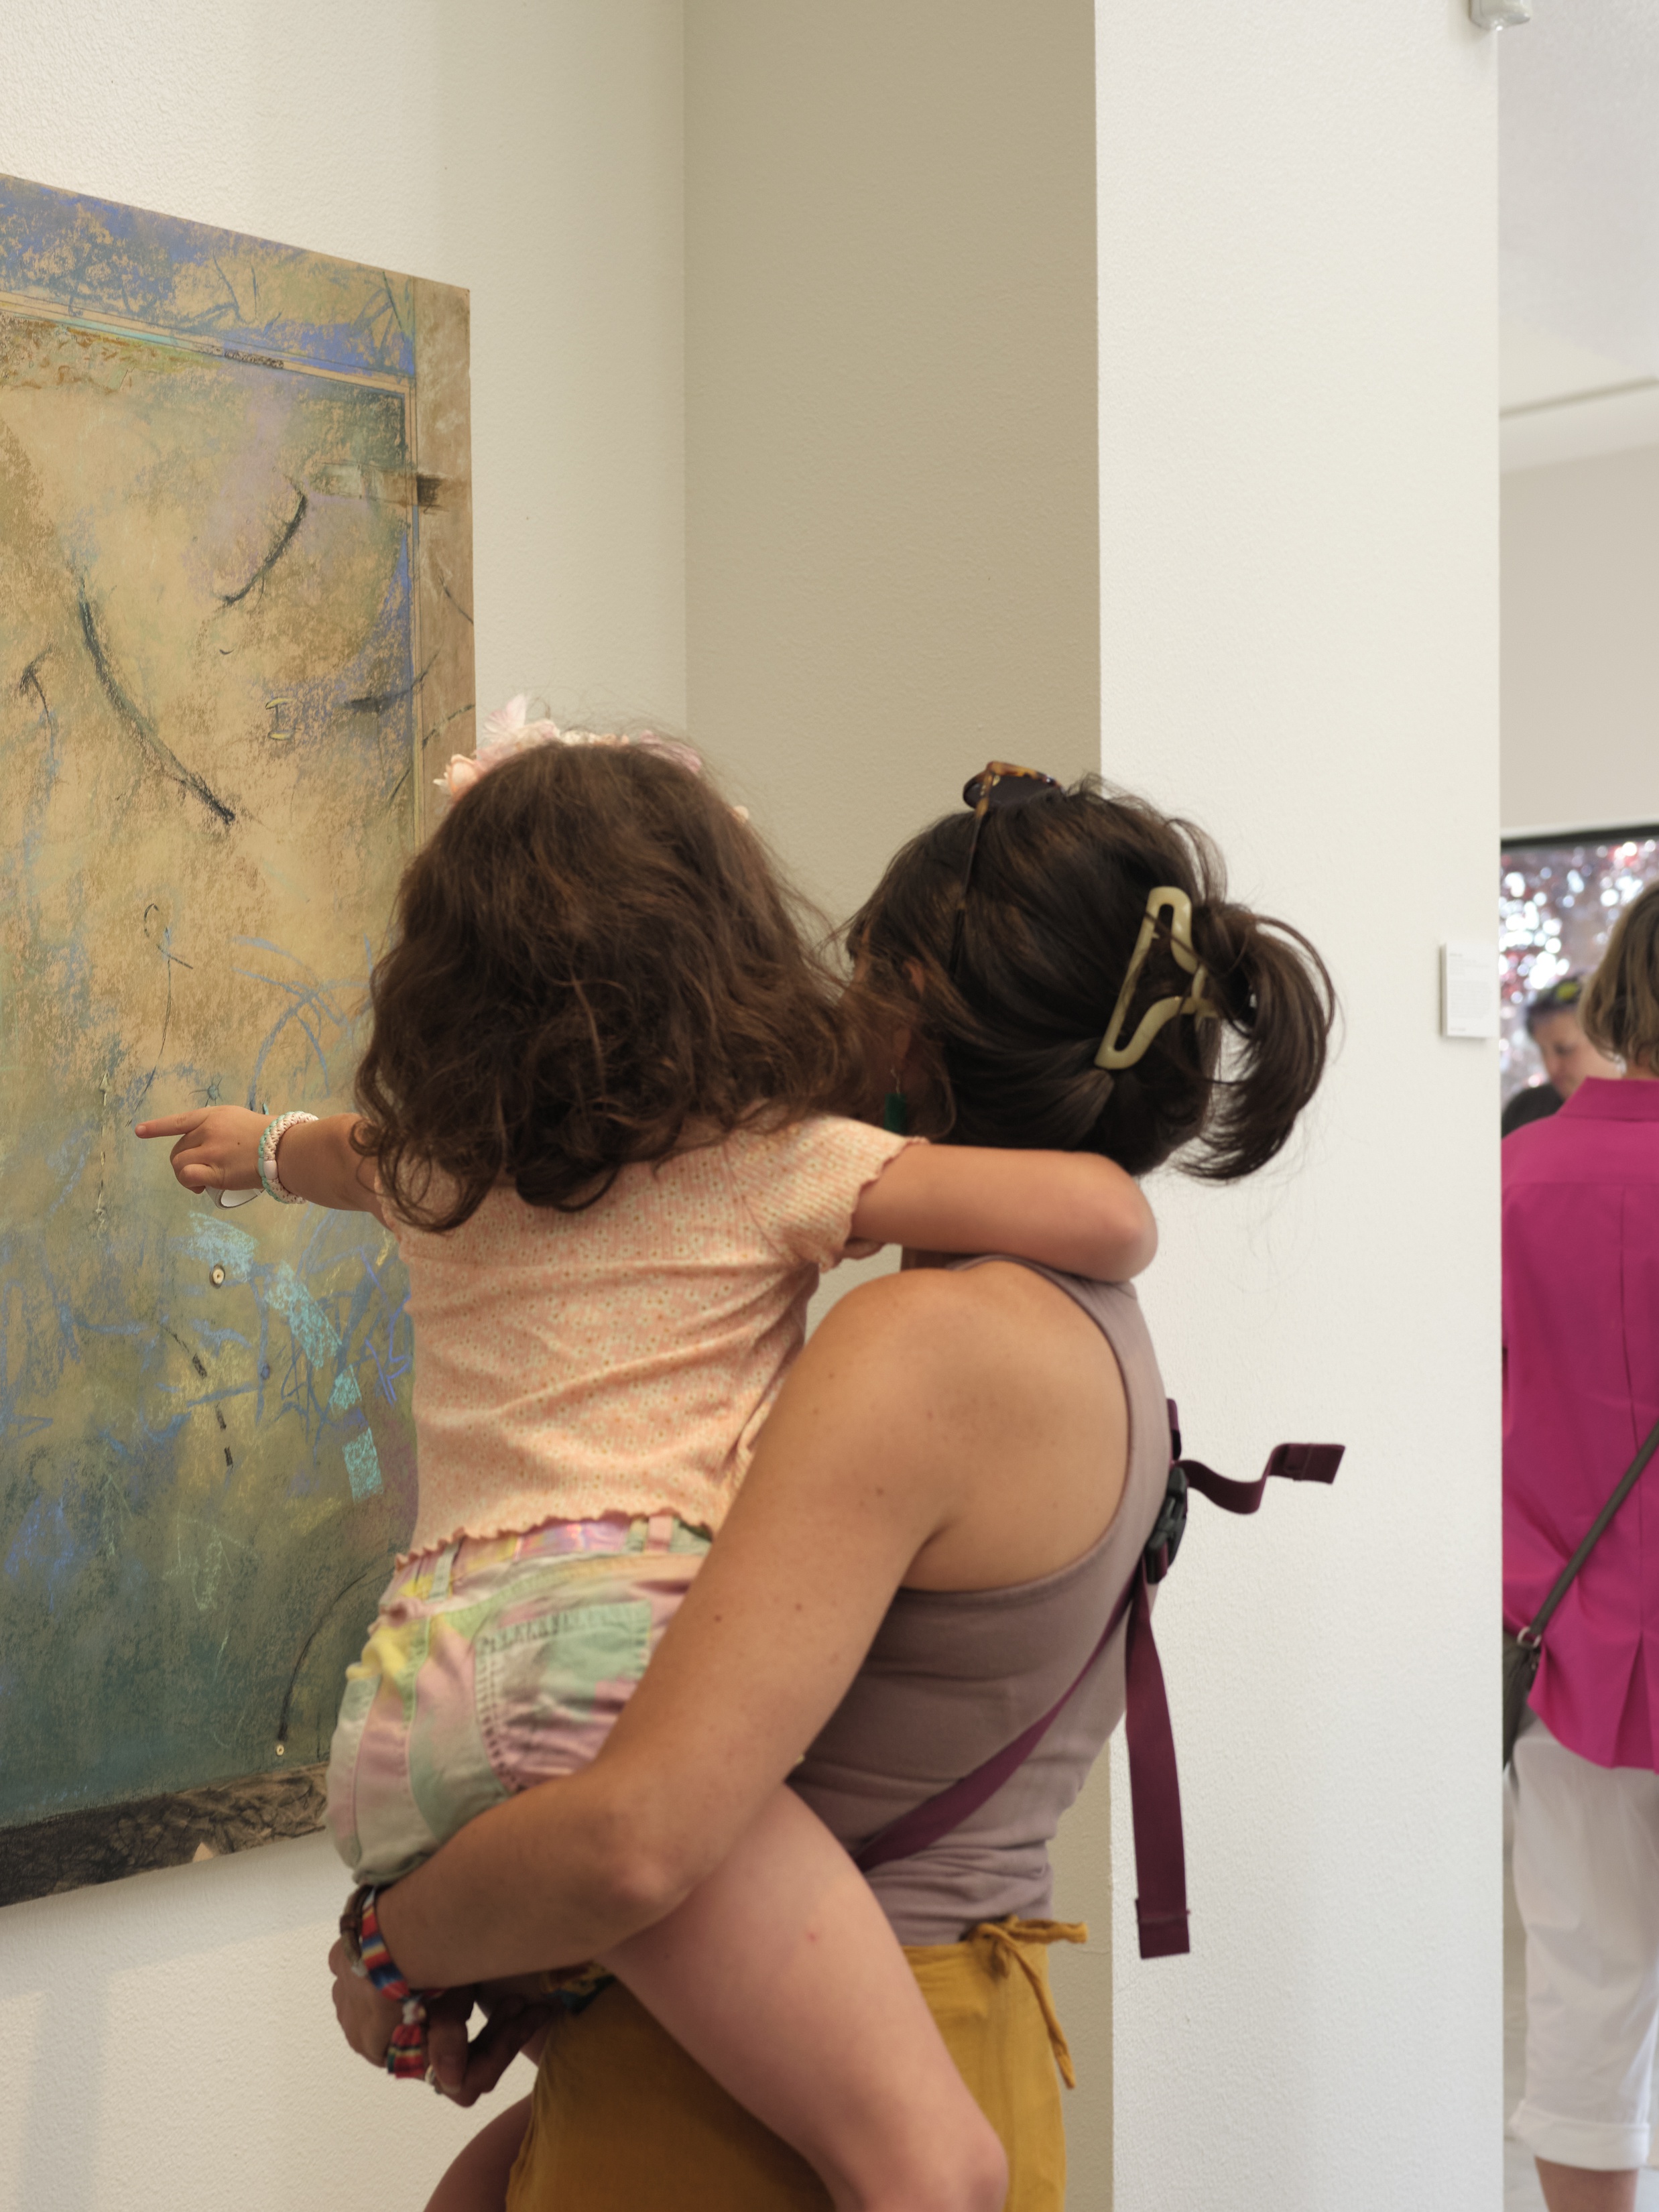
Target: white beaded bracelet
pixel 270 1137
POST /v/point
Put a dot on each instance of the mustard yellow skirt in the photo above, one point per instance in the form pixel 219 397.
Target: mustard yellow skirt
pixel 622 2116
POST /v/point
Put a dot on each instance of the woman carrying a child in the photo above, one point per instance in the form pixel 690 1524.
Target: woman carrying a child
pixel 601 1113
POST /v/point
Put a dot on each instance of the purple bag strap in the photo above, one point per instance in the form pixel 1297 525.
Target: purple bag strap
pixel 934 1817
pixel 1295 1462
pixel 1154 1791
pixel 1161 1912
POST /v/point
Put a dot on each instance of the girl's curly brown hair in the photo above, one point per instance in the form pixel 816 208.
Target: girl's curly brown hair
pixel 594 964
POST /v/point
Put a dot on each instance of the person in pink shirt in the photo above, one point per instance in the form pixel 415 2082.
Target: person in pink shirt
pixel 1581 1391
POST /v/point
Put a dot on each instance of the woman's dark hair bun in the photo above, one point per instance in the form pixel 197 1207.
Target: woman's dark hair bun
pixel 1009 1030
pixel 1278 1001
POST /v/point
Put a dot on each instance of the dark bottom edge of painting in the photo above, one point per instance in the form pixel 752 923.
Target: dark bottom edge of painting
pixel 72 1851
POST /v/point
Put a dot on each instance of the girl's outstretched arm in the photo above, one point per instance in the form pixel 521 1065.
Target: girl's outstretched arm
pixel 218 1149
pixel 1072 1210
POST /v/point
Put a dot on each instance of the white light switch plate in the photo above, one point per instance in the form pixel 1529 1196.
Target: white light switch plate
pixel 1468 989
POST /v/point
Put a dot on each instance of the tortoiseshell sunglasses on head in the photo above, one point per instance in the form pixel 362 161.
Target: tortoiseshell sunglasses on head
pixel 999 784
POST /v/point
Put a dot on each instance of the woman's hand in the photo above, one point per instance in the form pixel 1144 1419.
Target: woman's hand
pixel 463 2070
pixel 218 1146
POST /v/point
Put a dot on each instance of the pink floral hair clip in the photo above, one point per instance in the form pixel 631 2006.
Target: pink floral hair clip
pixel 507 732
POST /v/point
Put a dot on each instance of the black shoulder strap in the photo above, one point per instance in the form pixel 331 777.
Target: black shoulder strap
pixel 1533 1632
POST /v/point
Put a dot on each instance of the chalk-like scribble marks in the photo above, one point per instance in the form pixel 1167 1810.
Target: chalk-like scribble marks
pixel 137 722
pixel 285 538
pixel 29 681
pixel 377 702
pixel 173 961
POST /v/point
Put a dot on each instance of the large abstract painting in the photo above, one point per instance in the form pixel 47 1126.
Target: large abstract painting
pixel 235 631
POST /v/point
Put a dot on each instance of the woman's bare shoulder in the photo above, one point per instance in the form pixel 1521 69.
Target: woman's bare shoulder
pixel 1023 1408
pixel 960 1313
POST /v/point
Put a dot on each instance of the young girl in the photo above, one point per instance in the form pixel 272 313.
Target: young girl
pixel 602 1114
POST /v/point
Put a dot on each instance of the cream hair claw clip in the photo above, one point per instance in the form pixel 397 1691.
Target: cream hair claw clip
pixel 1166 899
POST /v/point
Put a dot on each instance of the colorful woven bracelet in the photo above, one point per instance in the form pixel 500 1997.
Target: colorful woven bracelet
pixel 405 2057
pixel 270 1137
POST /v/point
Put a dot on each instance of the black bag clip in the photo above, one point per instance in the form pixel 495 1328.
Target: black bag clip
pixel 1170 1527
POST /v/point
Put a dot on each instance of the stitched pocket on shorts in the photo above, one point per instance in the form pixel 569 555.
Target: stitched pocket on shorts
pixel 550 1688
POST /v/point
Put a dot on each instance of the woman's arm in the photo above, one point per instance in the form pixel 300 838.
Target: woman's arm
pixel 906 1388
pixel 953 1431
pixel 1072 1210
pixel 218 1149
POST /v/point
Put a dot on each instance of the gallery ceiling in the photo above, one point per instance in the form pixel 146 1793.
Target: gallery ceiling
pixel 1579 230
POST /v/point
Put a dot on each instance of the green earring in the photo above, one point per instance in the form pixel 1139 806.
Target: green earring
pixel 895 1113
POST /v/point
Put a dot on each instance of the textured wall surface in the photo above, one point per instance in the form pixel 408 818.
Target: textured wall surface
pixel 1298 515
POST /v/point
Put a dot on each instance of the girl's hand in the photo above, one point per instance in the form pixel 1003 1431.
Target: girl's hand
pixel 218 1149
pixel 218 1146
pixel 366 2019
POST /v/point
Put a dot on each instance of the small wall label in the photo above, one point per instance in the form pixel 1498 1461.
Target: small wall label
pixel 1469 990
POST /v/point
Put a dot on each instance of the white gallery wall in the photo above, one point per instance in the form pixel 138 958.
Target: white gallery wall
pixel 169 2044
pixel 1299 625
pixel 1581 642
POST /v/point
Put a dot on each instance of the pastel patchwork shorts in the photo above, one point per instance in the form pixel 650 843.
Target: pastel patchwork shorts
pixel 495 1662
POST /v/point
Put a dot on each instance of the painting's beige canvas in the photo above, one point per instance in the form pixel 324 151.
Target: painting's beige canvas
pixel 235 640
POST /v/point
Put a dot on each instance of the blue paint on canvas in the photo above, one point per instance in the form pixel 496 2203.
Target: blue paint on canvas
pixel 210 666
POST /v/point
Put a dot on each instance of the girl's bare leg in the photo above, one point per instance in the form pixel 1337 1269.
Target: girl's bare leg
pixel 781 1977
pixel 476 2180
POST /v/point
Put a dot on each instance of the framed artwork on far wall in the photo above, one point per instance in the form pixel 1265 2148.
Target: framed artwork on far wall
pixel 1560 894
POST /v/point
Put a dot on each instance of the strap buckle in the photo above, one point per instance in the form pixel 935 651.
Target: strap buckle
pixel 1170 1527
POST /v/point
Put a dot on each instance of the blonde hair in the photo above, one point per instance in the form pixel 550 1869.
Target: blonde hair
pixel 1619 1012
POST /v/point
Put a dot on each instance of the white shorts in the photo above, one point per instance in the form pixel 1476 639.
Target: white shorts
pixel 1587 1884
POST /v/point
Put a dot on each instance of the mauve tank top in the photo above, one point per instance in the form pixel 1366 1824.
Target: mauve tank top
pixel 955 1674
